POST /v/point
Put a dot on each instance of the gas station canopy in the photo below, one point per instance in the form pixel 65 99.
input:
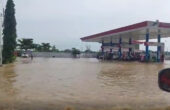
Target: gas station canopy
pixel 135 32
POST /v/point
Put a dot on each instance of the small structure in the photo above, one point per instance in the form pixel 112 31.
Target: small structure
pixel 125 41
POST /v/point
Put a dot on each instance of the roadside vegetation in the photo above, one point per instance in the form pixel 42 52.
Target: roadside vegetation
pixel 27 44
pixel 9 33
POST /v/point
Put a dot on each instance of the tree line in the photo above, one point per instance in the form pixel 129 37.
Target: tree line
pixel 28 44
pixel 23 45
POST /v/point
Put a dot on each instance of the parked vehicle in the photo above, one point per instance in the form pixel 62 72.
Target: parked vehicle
pixel 24 55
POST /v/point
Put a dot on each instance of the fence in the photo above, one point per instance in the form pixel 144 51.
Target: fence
pixel 63 55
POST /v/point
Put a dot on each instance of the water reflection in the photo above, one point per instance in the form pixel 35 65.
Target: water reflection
pixel 123 73
pixel 8 92
pixel 7 80
pixel 133 82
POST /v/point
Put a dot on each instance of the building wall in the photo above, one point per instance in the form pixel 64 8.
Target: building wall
pixel 63 55
pixel 52 54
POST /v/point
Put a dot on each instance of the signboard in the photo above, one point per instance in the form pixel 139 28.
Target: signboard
pixel 164 80
pixel 128 46
pixel 122 46
pixel 107 48
pixel 137 42
pixel 148 43
pixel 153 44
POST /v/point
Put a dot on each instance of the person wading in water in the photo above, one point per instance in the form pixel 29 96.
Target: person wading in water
pixel 32 57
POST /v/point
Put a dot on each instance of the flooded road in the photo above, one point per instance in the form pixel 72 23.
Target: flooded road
pixel 86 84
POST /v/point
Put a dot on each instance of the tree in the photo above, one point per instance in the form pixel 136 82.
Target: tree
pixel 54 49
pixel 9 32
pixel 46 47
pixel 88 49
pixel 37 47
pixel 75 52
pixel 26 44
pixel 67 51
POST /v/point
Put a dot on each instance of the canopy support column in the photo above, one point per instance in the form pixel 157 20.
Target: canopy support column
pixel 120 48
pixel 130 43
pixel 102 47
pixel 159 48
pixel 111 44
pixel 147 46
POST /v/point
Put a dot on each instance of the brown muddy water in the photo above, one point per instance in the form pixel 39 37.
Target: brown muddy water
pixel 81 84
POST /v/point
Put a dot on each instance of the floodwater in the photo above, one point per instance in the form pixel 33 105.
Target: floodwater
pixel 81 84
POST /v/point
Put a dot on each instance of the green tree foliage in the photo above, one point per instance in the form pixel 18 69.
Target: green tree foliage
pixel 26 44
pixel 46 47
pixel 88 49
pixel 67 51
pixel 75 52
pixel 54 49
pixel 9 33
pixel 38 47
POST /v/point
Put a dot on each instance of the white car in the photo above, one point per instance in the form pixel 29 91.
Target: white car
pixel 24 55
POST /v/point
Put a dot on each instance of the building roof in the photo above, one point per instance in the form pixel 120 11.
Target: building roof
pixel 135 31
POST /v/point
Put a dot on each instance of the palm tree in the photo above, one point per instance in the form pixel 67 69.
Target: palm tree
pixel 54 49
pixel 75 52
pixel 25 44
pixel 38 47
pixel 45 47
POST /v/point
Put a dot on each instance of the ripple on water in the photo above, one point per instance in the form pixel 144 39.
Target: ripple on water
pixel 83 82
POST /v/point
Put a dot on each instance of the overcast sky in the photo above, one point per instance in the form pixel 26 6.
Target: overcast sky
pixel 64 22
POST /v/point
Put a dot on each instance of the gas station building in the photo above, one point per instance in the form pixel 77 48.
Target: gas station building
pixel 127 39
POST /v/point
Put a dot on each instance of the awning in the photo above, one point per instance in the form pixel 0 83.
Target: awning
pixel 136 32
